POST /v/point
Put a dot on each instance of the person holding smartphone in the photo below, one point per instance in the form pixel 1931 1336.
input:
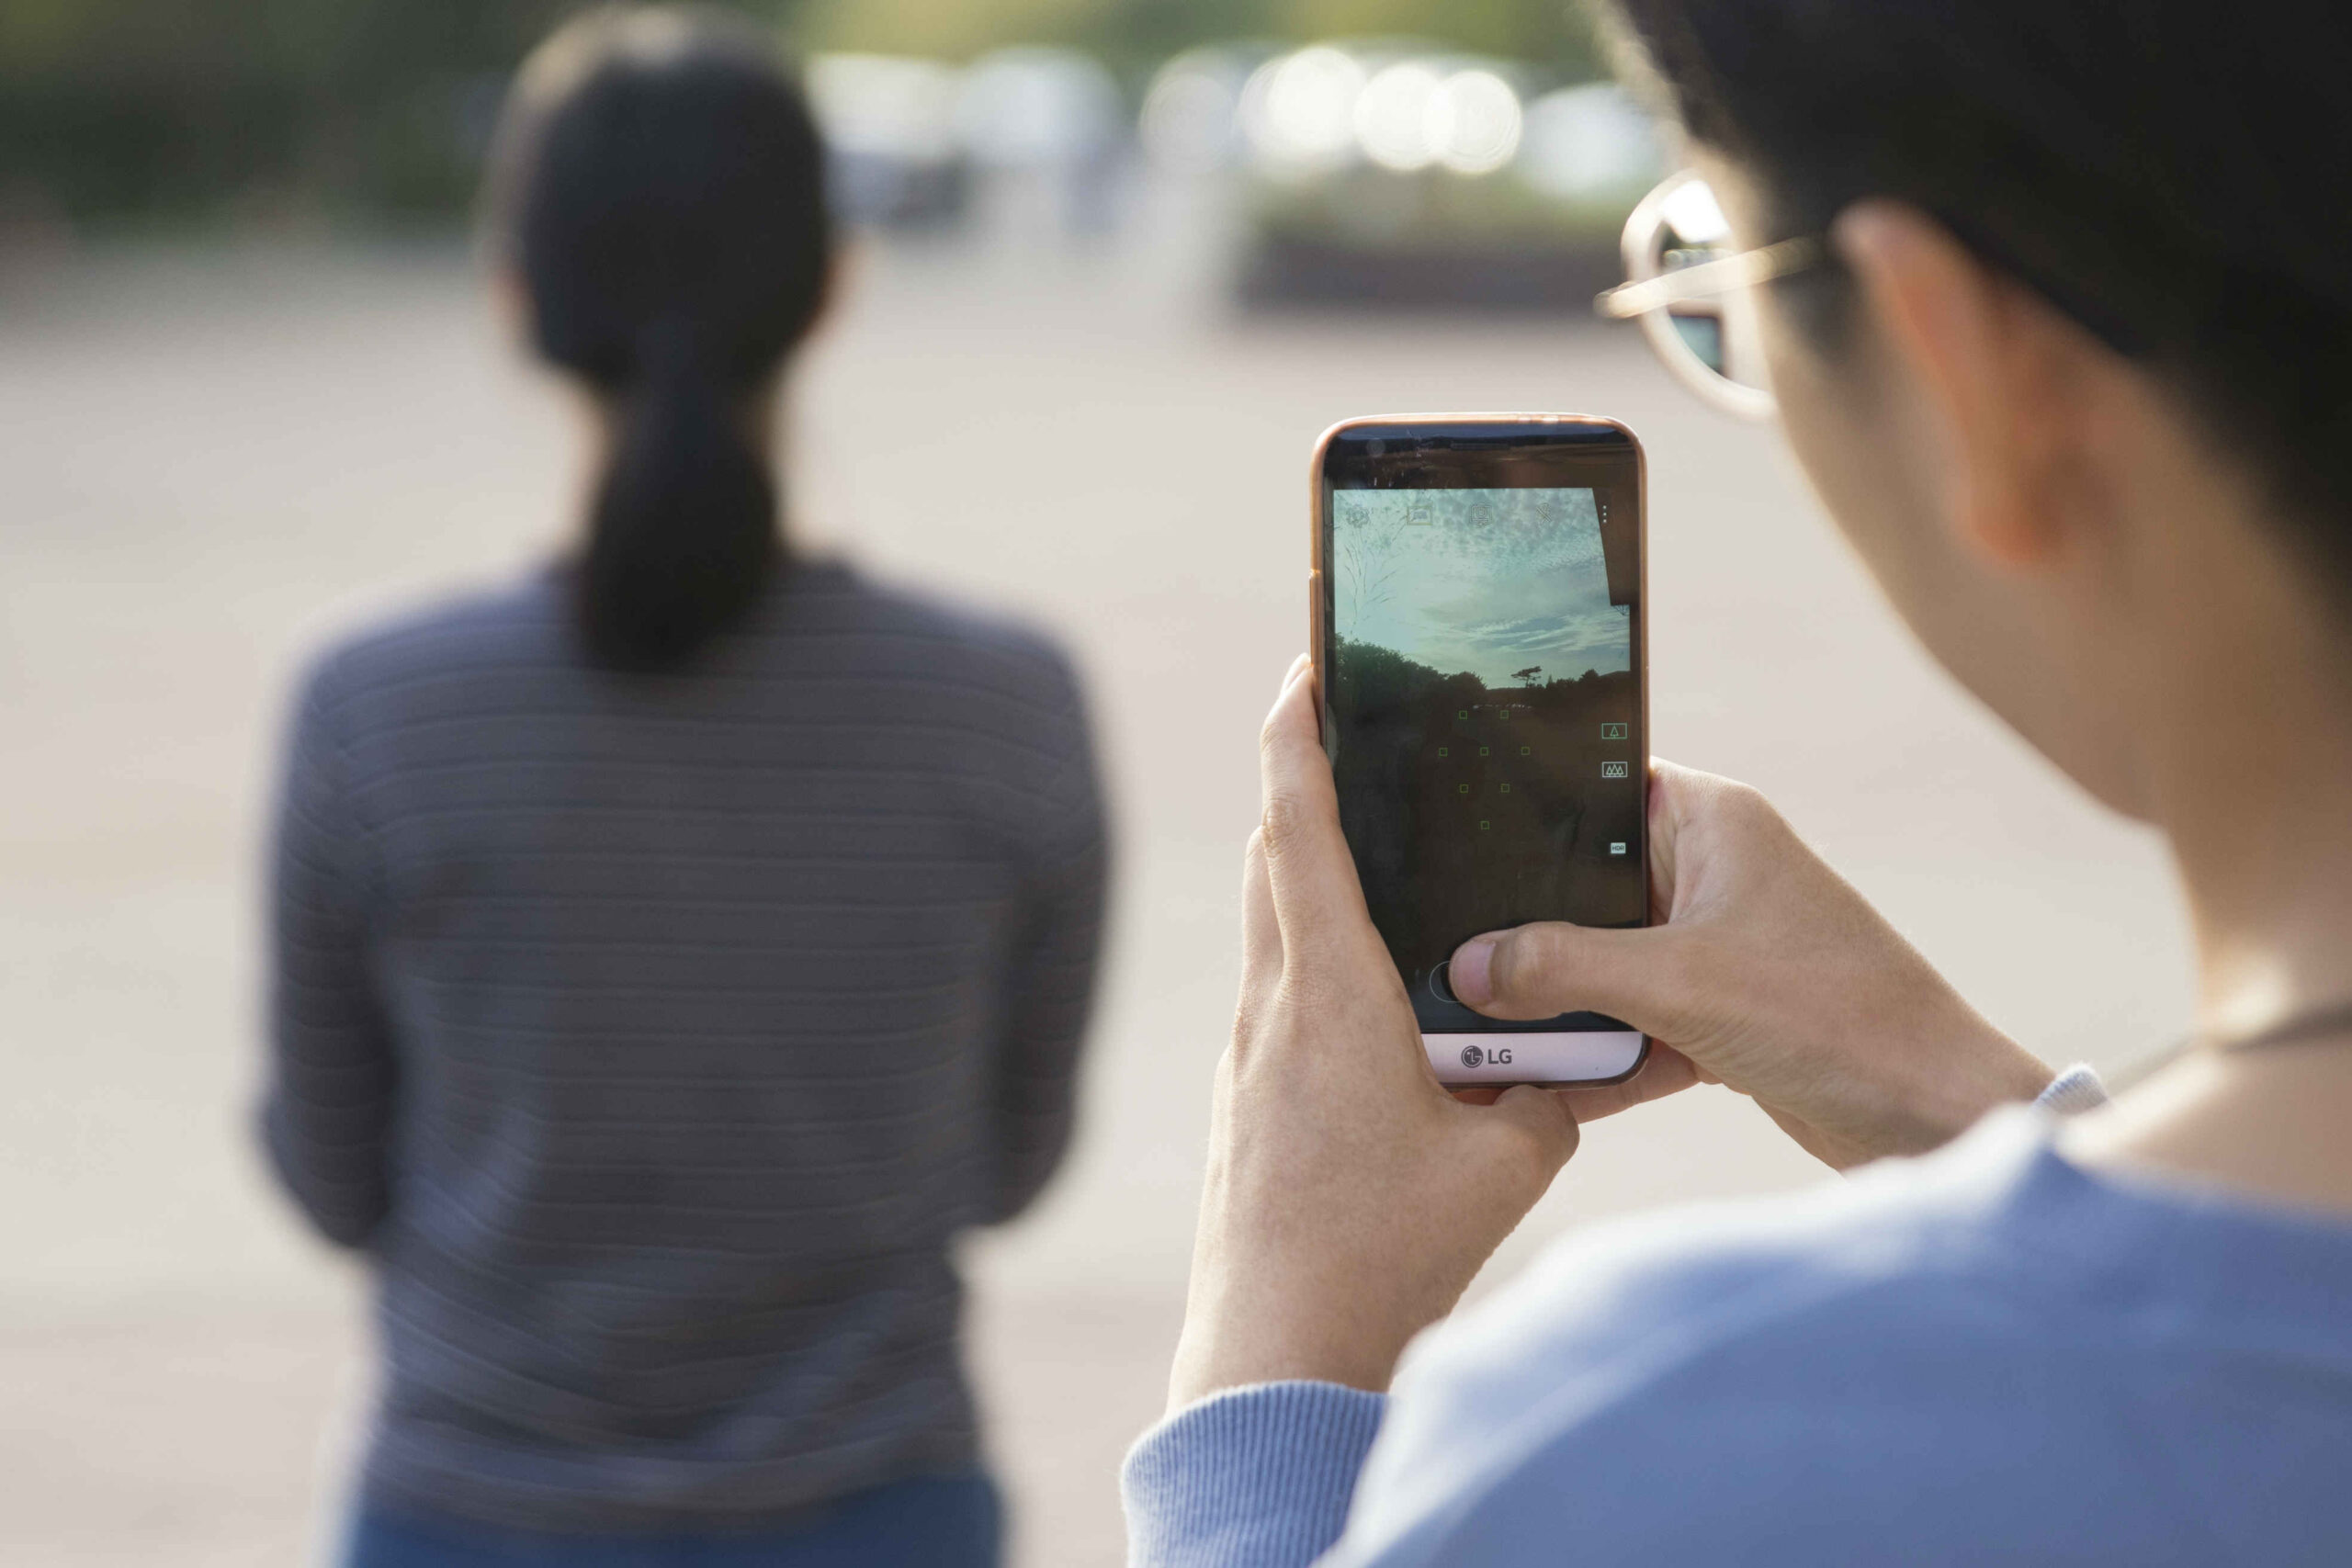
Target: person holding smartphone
pixel 2052 301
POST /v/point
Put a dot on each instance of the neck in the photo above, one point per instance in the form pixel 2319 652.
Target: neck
pixel 2257 800
pixel 2250 784
pixel 2263 1124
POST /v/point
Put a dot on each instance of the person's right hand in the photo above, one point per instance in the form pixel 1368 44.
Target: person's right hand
pixel 1766 972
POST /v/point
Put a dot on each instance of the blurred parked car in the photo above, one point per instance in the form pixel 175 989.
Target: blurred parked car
pixel 1190 123
pixel 1051 118
pixel 889 122
pixel 913 140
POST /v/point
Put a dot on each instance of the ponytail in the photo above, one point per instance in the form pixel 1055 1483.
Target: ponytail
pixel 682 537
pixel 658 189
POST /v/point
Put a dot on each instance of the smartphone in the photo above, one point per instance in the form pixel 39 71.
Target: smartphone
pixel 1476 618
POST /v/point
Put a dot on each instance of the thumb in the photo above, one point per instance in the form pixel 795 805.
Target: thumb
pixel 1540 970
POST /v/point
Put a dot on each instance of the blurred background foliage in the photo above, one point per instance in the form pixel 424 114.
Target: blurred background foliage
pixel 1132 36
pixel 124 114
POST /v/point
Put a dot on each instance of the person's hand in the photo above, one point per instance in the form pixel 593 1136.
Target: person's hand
pixel 1766 972
pixel 1350 1199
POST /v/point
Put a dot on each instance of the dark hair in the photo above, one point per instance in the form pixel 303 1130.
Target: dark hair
pixel 658 188
pixel 2168 175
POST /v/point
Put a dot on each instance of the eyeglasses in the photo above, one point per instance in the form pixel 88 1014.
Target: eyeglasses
pixel 1694 296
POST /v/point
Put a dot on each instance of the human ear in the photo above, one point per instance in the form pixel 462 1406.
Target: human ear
pixel 1992 380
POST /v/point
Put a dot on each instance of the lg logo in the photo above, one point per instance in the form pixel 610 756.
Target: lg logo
pixel 1472 1056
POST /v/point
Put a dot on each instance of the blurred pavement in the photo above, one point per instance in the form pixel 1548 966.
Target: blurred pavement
pixel 211 461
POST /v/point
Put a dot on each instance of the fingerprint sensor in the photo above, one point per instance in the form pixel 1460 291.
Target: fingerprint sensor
pixel 1441 987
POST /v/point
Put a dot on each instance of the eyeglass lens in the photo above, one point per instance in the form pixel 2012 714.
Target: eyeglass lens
pixel 1719 331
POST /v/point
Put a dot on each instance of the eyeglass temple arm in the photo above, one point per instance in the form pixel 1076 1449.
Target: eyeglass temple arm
pixel 1709 279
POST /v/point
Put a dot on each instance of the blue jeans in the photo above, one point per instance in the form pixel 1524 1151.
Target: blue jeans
pixel 950 1521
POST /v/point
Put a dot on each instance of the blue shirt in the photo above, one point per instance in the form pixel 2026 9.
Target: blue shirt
pixel 1986 1356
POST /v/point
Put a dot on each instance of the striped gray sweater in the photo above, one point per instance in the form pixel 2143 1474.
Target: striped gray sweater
pixel 654 1035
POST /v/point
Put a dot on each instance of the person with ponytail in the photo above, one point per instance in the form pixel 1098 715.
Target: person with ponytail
pixel 674 951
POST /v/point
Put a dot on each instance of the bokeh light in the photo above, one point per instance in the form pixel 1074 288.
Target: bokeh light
pixel 1474 122
pixel 1300 111
pixel 1392 117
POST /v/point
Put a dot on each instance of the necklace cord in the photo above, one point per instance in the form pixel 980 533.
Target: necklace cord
pixel 2301 1030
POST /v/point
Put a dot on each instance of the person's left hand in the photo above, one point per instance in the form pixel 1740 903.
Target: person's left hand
pixel 1350 1198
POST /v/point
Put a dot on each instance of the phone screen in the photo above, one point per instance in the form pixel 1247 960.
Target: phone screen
pixel 1484 701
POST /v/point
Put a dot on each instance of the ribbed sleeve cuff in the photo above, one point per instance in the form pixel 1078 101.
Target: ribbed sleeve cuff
pixel 1255 1477
pixel 2076 1089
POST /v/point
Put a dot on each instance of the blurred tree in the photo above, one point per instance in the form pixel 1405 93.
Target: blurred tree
pixel 1135 35
pixel 952 30
pixel 111 109
pixel 1557 33
pixel 138 110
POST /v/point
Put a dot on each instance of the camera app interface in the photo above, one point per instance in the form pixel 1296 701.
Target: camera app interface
pixel 1487 713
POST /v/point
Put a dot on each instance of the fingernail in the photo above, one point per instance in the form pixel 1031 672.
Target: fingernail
pixel 1471 975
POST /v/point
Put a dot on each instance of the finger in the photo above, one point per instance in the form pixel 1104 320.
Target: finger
pixel 1667 1071
pixel 1543 970
pixel 1316 897
pixel 1542 1123
pixel 1261 936
pixel 1670 787
pixel 1696 818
